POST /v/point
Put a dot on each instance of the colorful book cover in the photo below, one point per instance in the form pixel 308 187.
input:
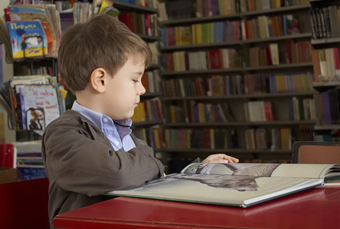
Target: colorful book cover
pixel 40 106
pixel 28 36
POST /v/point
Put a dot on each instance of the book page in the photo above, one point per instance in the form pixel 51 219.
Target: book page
pixel 234 190
pixel 316 171
pixel 302 170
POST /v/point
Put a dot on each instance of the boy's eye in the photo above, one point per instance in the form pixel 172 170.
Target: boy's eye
pixel 136 81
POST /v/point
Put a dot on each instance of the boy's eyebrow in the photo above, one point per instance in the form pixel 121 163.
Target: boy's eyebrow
pixel 137 73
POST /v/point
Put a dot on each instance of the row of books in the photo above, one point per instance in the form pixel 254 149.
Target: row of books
pixel 149 110
pixel 216 7
pixel 271 138
pixel 256 5
pixel 29 162
pixel 202 60
pixel 264 83
pixel 204 33
pixel 146 3
pixel 325 22
pixel 42 70
pixel 198 139
pixel 259 111
pixel 217 32
pixel 146 24
pixel 218 85
pixel 326 64
pixel 171 10
pixel 329 107
pixel 155 53
pixel 63 5
pixel 192 112
pixel 32 102
pixel 151 81
pixel 274 139
pixel 277 138
pixel 153 136
pixel 292 53
pixel 214 86
pixel 264 27
pixel 35 30
pixel 302 109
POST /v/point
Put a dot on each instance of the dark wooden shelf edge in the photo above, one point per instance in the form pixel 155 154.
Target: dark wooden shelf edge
pixel 133 7
pixel 231 124
pixel 226 70
pixel 283 94
pixel 147 123
pixel 231 16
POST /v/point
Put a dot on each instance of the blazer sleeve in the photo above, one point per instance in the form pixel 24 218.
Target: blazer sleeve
pixel 83 165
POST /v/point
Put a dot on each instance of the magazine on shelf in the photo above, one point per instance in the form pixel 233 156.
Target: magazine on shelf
pixel 28 36
pixel 238 185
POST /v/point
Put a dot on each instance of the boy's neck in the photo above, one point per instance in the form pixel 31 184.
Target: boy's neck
pixel 90 101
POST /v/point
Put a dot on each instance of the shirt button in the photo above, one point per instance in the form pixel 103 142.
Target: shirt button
pixel 117 143
pixel 105 120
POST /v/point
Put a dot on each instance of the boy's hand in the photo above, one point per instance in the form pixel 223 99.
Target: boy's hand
pixel 220 158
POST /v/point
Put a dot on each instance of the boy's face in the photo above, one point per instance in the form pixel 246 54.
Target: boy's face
pixel 123 91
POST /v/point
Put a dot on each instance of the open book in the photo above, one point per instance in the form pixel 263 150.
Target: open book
pixel 239 185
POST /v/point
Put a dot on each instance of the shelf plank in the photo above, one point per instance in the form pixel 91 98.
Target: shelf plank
pixel 326 84
pixel 227 70
pixel 200 46
pixel 265 95
pixel 151 95
pixel 232 16
pixel 199 20
pixel 234 43
pixel 148 38
pixel 278 38
pixel 227 124
pixel 276 10
pixel 280 66
pixel 323 41
pixel 236 151
pixel 147 123
pixel 152 67
pixel 133 7
pixel 327 127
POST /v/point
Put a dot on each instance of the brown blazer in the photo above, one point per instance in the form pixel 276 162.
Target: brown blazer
pixel 81 164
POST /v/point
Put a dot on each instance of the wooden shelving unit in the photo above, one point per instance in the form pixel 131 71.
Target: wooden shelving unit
pixel 227 97
pixel 300 67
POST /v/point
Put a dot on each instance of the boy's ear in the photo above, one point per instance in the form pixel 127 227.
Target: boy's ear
pixel 99 79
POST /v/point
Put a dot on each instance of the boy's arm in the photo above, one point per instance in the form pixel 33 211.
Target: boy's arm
pixel 80 164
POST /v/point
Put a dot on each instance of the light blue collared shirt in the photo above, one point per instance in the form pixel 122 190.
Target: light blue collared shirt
pixel 119 136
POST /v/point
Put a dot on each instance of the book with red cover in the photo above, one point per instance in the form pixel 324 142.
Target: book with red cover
pixel 214 59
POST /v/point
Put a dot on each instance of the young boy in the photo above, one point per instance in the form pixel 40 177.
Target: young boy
pixel 90 149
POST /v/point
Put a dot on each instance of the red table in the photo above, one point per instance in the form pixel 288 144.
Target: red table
pixel 315 208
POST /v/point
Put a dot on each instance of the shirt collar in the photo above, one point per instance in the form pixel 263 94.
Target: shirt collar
pixel 96 117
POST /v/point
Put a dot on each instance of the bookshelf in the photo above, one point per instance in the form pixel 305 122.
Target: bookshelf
pixel 233 97
pixel 133 7
pixel 240 70
pixel 325 41
pixel 143 129
pixel 235 101
pixel 232 124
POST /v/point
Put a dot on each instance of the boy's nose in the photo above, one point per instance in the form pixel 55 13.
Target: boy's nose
pixel 141 90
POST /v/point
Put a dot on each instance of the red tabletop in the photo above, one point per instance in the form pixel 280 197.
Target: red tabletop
pixel 314 208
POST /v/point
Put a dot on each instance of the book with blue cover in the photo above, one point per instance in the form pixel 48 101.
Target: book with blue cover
pixel 29 172
pixel 28 36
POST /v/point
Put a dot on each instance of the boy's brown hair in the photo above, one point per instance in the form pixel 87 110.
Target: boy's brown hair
pixel 101 42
